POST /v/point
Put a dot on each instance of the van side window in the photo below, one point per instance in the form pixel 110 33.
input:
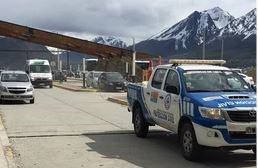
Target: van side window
pixel 158 78
pixel 172 83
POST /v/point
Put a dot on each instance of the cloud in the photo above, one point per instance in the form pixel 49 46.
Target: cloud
pixel 138 18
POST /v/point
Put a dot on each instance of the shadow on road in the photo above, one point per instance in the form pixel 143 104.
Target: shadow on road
pixel 162 150
pixel 16 102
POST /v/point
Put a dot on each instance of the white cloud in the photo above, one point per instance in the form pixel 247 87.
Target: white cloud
pixel 138 18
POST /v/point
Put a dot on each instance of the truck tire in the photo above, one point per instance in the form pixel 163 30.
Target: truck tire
pixel 141 127
pixel 51 86
pixel 32 101
pixel 189 145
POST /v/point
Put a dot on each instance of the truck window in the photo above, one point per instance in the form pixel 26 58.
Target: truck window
pixel 158 78
pixel 172 81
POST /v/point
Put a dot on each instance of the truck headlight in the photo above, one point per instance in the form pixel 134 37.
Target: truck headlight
pixel 212 113
pixel 30 89
pixel 3 89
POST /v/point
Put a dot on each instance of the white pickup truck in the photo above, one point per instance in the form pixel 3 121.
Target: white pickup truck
pixel 204 103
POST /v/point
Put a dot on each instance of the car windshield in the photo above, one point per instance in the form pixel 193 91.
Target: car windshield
pixel 213 80
pixel 114 76
pixel 96 75
pixel 39 69
pixel 14 77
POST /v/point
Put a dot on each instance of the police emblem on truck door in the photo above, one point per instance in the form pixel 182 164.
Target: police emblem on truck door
pixel 167 101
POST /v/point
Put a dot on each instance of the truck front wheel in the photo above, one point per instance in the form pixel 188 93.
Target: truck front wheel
pixel 189 145
pixel 141 127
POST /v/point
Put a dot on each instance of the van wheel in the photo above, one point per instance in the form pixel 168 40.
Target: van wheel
pixel 32 101
pixel 50 86
pixel 141 127
pixel 189 145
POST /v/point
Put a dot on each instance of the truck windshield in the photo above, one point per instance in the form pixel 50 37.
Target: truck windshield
pixel 213 80
pixel 39 69
pixel 14 77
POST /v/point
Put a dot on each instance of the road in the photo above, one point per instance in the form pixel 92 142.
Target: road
pixel 73 130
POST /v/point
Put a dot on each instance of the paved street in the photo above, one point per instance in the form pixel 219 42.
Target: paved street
pixel 79 129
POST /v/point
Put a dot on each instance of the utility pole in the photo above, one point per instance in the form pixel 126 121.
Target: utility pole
pixel 133 63
pixel 83 74
pixel 222 48
pixel 203 48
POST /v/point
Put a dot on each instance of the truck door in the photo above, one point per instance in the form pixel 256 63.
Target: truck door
pixel 169 105
pixel 152 91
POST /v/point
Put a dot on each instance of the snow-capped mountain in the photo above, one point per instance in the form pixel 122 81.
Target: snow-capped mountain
pixel 194 26
pixel 185 38
pixel 244 26
pixel 220 17
pixel 111 41
pixel 189 32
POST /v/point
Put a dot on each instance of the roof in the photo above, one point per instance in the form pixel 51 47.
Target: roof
pixel 196 67
pixel 17 72
pixel 202 67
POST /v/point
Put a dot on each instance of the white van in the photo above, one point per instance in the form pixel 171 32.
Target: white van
pixel 40 72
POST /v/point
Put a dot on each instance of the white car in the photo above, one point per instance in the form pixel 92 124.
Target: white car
pixel 92 78
pixel 16 85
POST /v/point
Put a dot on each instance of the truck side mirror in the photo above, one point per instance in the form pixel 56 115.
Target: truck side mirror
pixel 253 87
pixel 172 89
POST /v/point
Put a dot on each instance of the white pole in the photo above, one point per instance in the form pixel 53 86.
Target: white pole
pixel 83 65
pixel 134 58
pixel 78 67
pixel 126 68
pixel 222 48
pixel 58 60
pixel 60 65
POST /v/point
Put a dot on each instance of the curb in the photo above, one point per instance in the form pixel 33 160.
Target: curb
pixel 73 89
pixel 6 152
pixel 117 100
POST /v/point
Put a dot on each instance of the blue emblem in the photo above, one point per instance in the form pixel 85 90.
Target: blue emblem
pixel 167 101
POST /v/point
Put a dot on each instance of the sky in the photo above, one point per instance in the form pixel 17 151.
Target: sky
pixel 120 18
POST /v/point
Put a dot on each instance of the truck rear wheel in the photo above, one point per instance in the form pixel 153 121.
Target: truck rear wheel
pixel 189 145
pixel 141 127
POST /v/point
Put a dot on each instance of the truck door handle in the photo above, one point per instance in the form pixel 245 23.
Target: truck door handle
pixel 161 97
pixel 148 93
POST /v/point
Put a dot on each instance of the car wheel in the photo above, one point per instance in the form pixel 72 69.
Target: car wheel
pixel 189 145
pixel 32 101
pixel 50 86
pixel 141 127
pixel 254 150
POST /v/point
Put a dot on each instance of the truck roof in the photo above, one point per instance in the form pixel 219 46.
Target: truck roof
pixel 196 67
pixel 38 61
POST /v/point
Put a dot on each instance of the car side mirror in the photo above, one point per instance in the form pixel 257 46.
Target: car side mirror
pixel 172 89
pixel 253 87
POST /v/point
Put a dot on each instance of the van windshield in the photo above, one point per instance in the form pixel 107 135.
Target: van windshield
pixel 39 69
pixel 14 77
pixel 214 80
